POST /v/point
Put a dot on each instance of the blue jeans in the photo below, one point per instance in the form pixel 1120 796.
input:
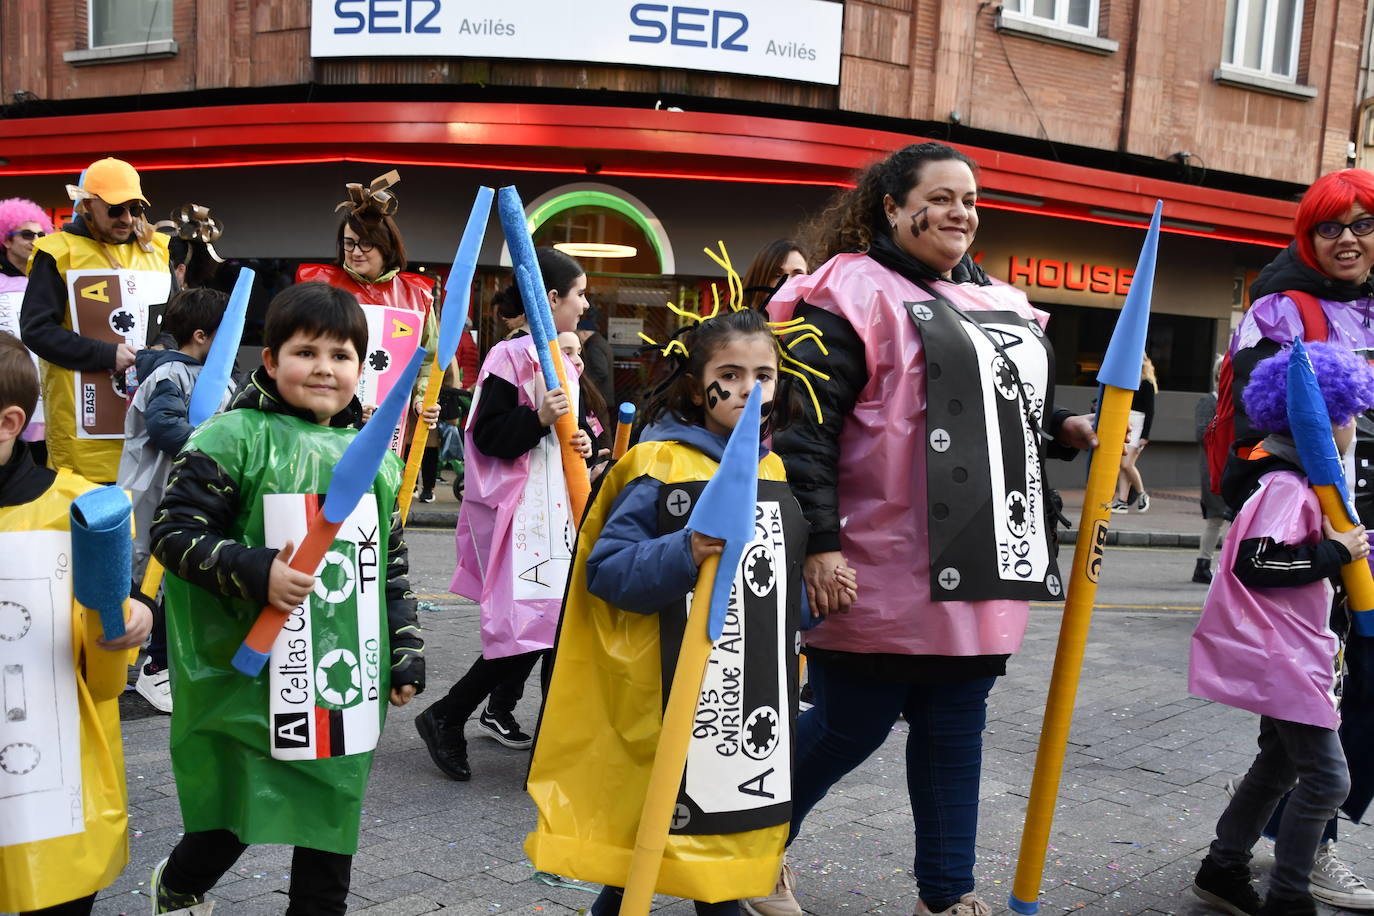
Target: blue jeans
pixel 852 717
pixel 1290 752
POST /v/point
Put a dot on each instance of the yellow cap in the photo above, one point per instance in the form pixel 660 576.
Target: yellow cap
pixel 113 181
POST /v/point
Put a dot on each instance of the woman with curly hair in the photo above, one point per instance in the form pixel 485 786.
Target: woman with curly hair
pixel 911 326
pixel 22 222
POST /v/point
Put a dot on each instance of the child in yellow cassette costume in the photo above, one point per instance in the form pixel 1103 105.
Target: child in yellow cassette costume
pixel 52 853
pixel 618 640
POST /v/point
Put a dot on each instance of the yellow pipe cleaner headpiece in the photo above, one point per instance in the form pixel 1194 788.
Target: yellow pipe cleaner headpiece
pixel 782 330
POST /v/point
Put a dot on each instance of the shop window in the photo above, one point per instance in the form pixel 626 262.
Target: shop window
pixel 128 22
pixel 1073 15
pixel 1181 346
pixel 1262 37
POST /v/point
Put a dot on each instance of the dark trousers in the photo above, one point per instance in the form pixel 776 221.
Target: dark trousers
pixel 157 638
pixel 485 678
pixel 429 467
pixel 852 717
pixel 80 907
pixel 608 904
pixel 1289 752
pixel 319 879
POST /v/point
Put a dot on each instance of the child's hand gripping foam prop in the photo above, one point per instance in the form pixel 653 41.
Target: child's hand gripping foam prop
pixel 1119 377
pixel 214 379
pixel 102 554
pixel 622 430
pixel 353 478
pixel 724 510
pixel 452 318
pixel 1311 426
pixel 534 294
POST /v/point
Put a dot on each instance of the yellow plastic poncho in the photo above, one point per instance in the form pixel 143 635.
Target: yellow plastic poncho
pixel 600 726
pixel 44 873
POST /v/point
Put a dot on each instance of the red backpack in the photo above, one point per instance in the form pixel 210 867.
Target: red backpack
pixel 1221 432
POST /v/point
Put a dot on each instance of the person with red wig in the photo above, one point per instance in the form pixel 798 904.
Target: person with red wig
pixel 1329 261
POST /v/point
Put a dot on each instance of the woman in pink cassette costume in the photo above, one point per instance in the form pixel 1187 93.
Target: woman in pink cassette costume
pixel 925 475
pixel 515 529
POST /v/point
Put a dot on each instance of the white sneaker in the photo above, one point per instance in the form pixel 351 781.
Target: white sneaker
pixel 155 687
pixel 1333 882
pixel 969 905
pixel 780 903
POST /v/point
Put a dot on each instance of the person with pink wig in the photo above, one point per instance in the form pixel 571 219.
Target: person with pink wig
pixel 22 222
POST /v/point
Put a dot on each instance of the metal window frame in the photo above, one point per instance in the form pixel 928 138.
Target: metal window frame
pixel 1060 20
pixel 1267 41
pixel 90 27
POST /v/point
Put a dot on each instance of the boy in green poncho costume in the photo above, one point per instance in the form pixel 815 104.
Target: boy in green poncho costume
pixel 282 757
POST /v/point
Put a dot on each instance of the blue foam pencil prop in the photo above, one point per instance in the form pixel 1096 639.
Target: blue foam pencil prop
pixel 452 319
pixel 353 477
pixel 530 280
pixel 1119 378
pixel 208 392
pixel 725 509
pixel 102 554
pixel 1311 425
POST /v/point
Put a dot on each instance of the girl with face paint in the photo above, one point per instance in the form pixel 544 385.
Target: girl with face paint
pixel 636 563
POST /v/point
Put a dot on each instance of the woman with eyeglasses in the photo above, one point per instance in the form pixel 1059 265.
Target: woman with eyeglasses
pixel 22 222
pixel 371 264
pixel 1327 266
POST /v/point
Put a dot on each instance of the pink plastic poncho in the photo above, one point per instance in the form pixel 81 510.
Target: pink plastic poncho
pixel 515 533
pixel 1269 650
pixel 882 470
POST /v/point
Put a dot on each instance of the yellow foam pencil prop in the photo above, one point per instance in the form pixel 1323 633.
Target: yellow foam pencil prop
pixel 534 294
pixel 725 510
pixel 452 318
pixel 1119 377
pixel 1311 426
pixel 622 430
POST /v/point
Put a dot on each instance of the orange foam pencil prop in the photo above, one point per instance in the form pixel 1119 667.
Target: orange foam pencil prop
pixel 1119 377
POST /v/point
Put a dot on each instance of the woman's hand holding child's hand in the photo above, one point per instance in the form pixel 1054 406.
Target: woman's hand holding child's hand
pixel 287 587
pixel 137 626
pixel 703 547
pixel 1355 541
pixel 555 404
pixel 400 696
pixel 583 443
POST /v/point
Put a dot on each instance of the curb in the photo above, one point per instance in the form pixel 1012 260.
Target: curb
pixel 1115 538
pixel 433 518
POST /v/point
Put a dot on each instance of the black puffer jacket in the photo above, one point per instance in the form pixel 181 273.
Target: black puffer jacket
pixel 202 501
pixel 811 451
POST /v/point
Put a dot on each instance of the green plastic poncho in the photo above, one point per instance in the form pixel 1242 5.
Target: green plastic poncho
pixel 227 727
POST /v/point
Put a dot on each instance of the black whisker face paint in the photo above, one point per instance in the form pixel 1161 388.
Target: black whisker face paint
pixel 919 223
pixel 715 394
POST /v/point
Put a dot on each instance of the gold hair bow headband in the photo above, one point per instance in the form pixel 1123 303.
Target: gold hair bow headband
pixel 376 197
pixel 193 223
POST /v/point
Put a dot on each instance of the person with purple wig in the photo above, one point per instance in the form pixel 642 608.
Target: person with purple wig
pixel 1265 640
pixel 22 222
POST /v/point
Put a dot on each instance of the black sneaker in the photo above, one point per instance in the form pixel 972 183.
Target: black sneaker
pixel 1228 889
pixel 166 900
pixel 1288 906
pixel 426 496
pixel 504 728
pixel 447 747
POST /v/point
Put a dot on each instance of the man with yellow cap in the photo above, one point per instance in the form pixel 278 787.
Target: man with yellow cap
pixel 85 314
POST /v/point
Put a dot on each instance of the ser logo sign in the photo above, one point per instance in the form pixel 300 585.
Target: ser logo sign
pixel 689 26
pixel 387 17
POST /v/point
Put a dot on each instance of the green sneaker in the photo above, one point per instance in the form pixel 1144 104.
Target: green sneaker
pixel 166 900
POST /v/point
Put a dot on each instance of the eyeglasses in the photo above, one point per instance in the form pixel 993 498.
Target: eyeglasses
pixel 350 244
pixel 117 210
pixel 28 235
pixel 1333 230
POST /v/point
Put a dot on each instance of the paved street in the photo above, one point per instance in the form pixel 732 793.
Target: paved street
pixel 1140 794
